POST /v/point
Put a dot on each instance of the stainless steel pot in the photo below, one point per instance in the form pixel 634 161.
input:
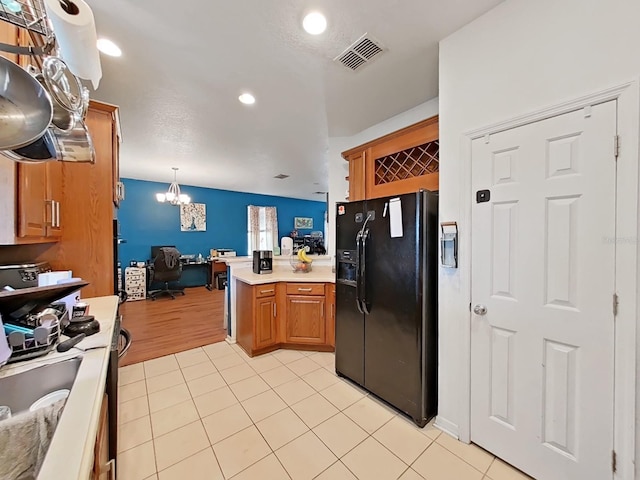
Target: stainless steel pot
pixel 73 146
pixel 25 107
pixel 62 118
pixel 44 149
pixel 76 145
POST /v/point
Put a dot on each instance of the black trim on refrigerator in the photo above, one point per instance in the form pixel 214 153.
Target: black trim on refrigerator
pixel 366 303
pixel 359 272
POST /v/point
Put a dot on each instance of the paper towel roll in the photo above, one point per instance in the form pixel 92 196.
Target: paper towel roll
pixel 77 39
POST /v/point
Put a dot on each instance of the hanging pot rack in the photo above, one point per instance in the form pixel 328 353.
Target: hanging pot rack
pixel 31 16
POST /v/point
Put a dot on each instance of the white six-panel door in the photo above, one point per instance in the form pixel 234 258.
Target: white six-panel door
pixel 543 256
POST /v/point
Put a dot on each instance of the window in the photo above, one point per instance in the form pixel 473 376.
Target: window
pixel 262 228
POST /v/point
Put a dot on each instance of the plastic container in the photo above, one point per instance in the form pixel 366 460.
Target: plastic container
pixel 49 399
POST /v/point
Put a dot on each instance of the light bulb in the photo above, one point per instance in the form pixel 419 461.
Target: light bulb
pixel 314 23
pixel 247 99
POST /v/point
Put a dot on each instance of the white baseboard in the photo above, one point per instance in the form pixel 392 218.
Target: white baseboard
pixel 447 426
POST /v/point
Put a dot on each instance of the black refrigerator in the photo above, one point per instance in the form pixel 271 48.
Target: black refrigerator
pixel 387 299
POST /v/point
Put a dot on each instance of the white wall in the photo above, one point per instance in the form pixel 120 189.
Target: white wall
pixel 517 58
pixel 339 168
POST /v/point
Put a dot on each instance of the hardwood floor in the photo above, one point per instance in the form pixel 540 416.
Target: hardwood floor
pixel 166 326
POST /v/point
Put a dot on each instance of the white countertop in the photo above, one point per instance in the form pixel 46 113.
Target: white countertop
pixel 320 274
pixel 70 455
pixel 276 259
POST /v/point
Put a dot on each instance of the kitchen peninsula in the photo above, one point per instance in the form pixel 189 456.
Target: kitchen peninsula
pixel 284 309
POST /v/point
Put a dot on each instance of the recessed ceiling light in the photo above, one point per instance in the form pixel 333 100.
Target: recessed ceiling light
pixel 247 99
pixel 107 47
pixel 314 23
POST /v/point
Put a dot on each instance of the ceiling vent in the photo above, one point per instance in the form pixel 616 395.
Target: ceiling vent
pixel 281 176
pixel 362 52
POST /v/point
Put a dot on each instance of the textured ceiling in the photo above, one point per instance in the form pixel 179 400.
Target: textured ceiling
pixel 185 63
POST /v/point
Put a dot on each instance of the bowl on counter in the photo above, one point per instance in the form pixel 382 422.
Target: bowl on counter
pixel 299 266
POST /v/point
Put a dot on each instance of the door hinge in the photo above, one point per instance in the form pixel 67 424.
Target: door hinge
pixel 616 146
pixel 616 302
pixel 614 461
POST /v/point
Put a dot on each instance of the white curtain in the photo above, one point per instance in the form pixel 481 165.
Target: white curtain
pixel 262 227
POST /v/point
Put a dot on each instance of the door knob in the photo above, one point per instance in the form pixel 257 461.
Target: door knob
pixel 480 309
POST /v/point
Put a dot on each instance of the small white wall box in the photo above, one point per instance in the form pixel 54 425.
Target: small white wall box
pixel 449 245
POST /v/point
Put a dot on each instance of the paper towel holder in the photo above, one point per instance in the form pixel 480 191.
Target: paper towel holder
pixel 69 7
pixel 449 245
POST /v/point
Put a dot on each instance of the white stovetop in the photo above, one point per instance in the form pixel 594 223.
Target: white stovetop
pixel 70 455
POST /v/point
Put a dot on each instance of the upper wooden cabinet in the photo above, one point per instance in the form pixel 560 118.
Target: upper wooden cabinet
pixel 39 196
pixel 401 162
pixel 9 35
pixel 86 246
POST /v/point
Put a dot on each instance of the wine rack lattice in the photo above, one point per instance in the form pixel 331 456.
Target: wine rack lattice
pixel 409 163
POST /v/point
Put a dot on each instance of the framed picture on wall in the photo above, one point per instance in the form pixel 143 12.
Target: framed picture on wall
pixel 302 222
pixel 193 217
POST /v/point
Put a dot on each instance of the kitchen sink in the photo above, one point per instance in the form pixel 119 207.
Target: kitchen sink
pixel 19 391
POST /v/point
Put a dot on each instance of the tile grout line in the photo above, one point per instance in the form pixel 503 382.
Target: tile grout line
pixel 339 459
pixel 465 461
pixel 289 406
pixel 199 416
pixel 153 443
pixel 253 424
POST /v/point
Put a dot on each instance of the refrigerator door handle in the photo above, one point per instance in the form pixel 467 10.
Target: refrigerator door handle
pixel 363 274
pixel 358 274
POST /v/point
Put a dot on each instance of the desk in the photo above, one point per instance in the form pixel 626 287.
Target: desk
pixel 206 266
pixel 202 265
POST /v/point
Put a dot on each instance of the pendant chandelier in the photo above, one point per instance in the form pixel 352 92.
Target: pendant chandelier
pixel 173 195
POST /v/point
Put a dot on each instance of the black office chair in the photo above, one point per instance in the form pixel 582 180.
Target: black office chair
pixel 166 268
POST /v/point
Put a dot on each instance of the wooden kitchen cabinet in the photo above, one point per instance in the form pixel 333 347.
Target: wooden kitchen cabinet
pixel 305 315
pixel 9 35
pixel 357 177
pixel 87 210
pixel 256 311
pixel 39 193
pixel 330 296
pixel 306 323
pixel 265 332
pixel 400 162
pixel 101 464
pixel 288 315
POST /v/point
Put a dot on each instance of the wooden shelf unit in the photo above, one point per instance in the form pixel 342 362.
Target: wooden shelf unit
pixel 400 162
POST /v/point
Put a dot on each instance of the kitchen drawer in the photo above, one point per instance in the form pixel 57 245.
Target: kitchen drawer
pixel 266 290
pixel 305 288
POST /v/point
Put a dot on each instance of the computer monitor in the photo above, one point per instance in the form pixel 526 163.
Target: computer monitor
pixel 155 250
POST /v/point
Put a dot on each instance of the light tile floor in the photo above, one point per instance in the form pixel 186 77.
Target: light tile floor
pixel 214 413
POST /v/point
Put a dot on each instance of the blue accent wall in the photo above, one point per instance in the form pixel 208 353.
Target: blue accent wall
pixel 145 222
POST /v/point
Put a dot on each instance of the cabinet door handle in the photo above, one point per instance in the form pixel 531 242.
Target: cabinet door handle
pixel 332 314
pixel 274 310
pixel 51 222
pixel 322 309
pixel 304 289
pixel 57 213
pixel 266 291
